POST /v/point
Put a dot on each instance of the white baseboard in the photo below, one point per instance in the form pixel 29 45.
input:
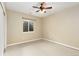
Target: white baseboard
pixel 66 45
pixel 23 42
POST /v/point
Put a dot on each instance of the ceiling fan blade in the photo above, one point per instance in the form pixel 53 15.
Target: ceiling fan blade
pixel 48 8
pixel 44 11
pixel 37 10
pixel 35 7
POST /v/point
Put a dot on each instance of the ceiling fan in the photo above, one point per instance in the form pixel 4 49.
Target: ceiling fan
pixel 42 7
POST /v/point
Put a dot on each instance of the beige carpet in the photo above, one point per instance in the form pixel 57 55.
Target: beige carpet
pixel 40 48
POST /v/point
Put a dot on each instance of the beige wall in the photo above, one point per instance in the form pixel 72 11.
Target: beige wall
pixel 63 26
pixel 15 28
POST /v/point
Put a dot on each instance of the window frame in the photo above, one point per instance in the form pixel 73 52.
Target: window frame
pixel 28 26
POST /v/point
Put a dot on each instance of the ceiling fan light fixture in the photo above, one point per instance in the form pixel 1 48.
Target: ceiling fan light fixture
pixel 42 8
pixel 42 11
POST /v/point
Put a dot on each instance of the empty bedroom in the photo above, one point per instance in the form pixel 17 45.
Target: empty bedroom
pixel 40 28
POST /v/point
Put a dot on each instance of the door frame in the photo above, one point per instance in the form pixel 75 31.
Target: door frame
pixel 4 26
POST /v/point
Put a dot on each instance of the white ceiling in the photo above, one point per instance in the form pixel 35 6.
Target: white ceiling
pixel 26 7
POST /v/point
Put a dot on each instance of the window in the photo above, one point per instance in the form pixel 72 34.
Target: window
pixel 28 25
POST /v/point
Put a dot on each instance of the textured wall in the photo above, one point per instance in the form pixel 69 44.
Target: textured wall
pixel 63 26
pixel 15 28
